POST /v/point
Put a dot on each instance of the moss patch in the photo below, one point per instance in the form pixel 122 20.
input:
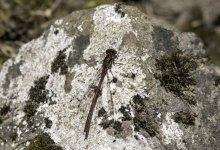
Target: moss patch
pixel 184 117
pixel 175 72
pixel 125 110
pixel 114 126
pixel 37 95
pixel 143 120
pixel 48 122
pixel 4 110
pixel 118 9
pixel 60 64
pixel 43 142
pixel 102 112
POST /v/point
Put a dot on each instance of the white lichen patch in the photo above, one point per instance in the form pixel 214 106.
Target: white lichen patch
pixel 172 132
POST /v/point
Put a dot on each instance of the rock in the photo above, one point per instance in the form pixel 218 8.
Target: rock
pixel 166 95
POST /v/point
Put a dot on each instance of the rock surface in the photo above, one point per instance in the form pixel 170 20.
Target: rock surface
pixel 166 95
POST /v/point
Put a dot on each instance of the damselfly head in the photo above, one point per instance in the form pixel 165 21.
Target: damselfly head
pixel 111 51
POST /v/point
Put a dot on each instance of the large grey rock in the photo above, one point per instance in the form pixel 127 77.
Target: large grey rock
pixel 166 95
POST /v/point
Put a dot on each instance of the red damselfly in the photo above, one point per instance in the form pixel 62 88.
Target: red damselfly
pixel 111 54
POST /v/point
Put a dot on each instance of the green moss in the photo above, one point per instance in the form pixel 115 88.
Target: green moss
pixel 37 95
pixel 175 73
pixel 60 63
pixel 43 142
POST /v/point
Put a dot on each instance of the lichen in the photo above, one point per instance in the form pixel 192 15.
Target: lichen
pixel 60 64
pixel 48 122
pixel 143 120
pixel 126 112
pixel 37 95
pixel 184 117
pixel 4 110
pixel 114 125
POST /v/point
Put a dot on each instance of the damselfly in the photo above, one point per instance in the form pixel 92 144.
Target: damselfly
pixel 111 54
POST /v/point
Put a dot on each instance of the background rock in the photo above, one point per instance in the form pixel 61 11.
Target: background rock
pixel 166 96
